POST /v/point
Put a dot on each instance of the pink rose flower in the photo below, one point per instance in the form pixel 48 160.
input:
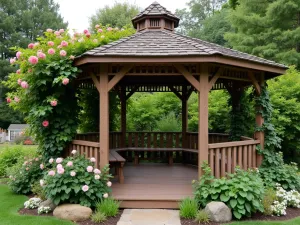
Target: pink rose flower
pixel 85 188
pixel 59 160
pixel 36 44
pixel 19 81
pixel 74 152
pixel 50 43
pixel 12 60
pixel 97 26
pixel 61 31
pixel 105 195
pixel 51 160
pixel 65 81
pixel 49 30
pixel 100 30
pixel 88 35
pixel 33 60
pixel 41 166
pixel 45 123
pixel 85 31
pixel 41 55
pixel 57 33
pixel 63 53
pixel 64 43
pixel 17 99
pixel 18 54
pixel 97 171
pixel 109 29
pixel 92 159
pixel 24 84
pixel 70 163
pixel 25 163
pixel 72 57
pixel 8 100
pixel 37 159
pixel 109 184
pixel 89 169
pixel 53 103
pixel 51 51
pixel 73 173
pixel 60 170
pixel 59 166
pixel 18 71
pixel 31 45
pixel 97 177
pixel 59 46
pixel 51 173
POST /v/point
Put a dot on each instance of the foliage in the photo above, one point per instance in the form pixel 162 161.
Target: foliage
pixel 268 29
pixel 10 205
pixel 108 206
pixel 98 217
pixel 119 15
pixel 32 203
pixel 38 190
pixel 267 201
pixel 188 208
pixel 202 217
pixel 10 155
pixel 169 123
pixel 23 176
pixel 47 95
pixel 22 22
pixel 242 191
pixel 75 180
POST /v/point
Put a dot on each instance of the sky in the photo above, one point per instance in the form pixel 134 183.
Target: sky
pixel 77 12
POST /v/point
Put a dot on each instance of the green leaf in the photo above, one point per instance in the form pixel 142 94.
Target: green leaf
pixel 233 203
pixel 237 215
pixel 248 207
pixel 243 194
pixel 241 201
pixel 224 198
pixel 215 196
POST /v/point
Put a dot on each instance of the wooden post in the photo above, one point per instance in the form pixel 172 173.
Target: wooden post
pixel 184 115
pixel 104 116
pixel 259 135
pixel 123 116
pixel 203 117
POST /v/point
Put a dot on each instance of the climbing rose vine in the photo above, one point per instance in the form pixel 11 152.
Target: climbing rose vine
pixel 44 88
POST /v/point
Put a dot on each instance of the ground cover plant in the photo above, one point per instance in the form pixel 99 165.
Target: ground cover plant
pixel 188 208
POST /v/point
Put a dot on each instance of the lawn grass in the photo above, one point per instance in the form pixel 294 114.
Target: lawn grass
pixel 11 203
pixel 295 221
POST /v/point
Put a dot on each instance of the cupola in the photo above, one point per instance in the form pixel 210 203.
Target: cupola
pixel 156 17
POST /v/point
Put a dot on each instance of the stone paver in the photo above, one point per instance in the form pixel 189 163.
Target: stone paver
pixel 149 217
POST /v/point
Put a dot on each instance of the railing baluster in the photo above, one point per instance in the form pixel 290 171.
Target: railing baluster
pixel 245 157
pixel 223 161
pixel 217 163
pixel 229 163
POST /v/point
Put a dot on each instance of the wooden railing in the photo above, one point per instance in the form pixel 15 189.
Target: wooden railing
pixel 224 157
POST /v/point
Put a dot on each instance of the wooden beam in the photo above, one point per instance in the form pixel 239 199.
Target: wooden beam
pixel 123 116
pixel 254 82
pixel 104 116
pixel 175 92
pixel 193 81
pixel 203 117
pixel 132 92
pixel 96 81
pixel 184 116
pixel 189 93
pixel 215 77
pixel 119 76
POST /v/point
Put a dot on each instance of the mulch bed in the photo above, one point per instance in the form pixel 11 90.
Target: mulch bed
pixel 33 212
pixel 291 213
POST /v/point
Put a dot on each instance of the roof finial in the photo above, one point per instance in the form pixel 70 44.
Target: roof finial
pixel 155 3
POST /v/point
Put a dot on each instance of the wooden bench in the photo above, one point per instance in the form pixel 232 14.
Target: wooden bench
pixel 118 162
pixel 169 150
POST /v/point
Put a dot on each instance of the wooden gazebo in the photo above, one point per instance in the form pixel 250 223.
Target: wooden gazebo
pixel 156 59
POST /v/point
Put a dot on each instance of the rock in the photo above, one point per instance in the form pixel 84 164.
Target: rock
pixel 73 212
pixel 218 212
pixel 48 203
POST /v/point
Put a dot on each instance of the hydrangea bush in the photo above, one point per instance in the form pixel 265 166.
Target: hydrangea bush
pixel 43 86
pixel 76 180
pixel 32 203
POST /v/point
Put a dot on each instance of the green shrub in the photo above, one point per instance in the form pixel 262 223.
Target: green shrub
pixel 202 217
pixel 242 191
pixel 267 201
pixel 108 207
pixel 75 180
pixel 98 217
pixel 38 190
pixel 188 208
pixel 10 155
pixel 24 175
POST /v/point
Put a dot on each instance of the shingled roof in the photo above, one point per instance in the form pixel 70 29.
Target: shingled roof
pixel 155 9
pixel 165 43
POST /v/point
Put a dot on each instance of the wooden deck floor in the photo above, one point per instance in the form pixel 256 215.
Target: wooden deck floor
pixel 154 185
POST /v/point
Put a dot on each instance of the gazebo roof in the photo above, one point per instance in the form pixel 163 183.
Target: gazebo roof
pixel 166 43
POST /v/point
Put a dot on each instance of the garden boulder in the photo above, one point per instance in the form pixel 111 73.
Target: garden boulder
pixel 73 212
pixel 218 212
pixel 48 203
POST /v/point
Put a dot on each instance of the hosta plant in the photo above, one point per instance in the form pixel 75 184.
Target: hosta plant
pixel 242 191
pixel 76 180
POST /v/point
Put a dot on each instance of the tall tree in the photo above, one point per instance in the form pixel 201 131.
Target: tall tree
pixel 198 10
pixel 21 22
pixel 119 15
pixel 269 29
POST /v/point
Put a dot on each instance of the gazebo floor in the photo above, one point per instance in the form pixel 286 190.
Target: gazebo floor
pixel 155 185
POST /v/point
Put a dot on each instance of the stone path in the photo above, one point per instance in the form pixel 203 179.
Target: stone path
pixel 149 217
